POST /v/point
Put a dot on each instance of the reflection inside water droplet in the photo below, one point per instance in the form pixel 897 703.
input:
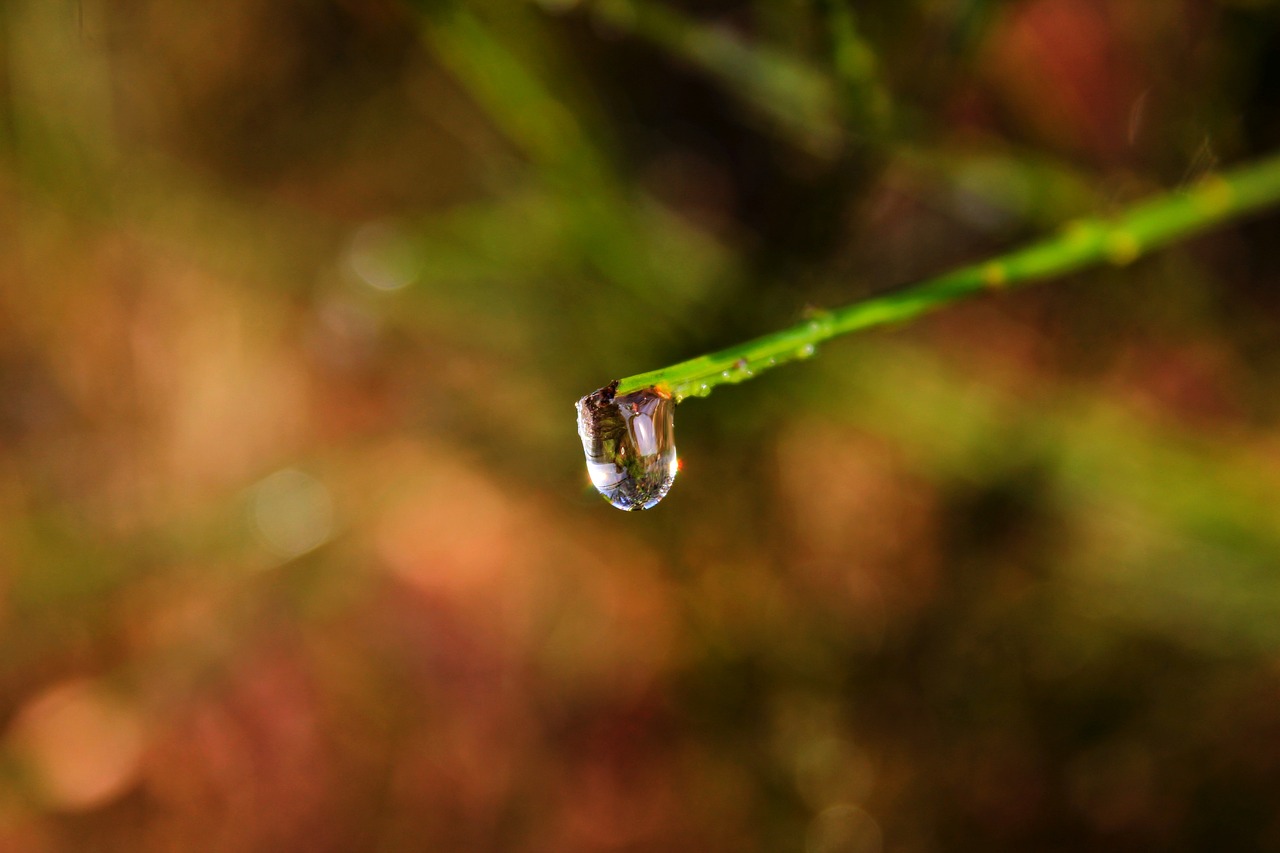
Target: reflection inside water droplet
pixel 630 445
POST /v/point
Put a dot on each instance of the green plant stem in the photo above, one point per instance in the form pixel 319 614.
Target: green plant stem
pixel 1082 243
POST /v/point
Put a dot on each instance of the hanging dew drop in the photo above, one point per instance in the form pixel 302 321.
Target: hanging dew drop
pixel 630 445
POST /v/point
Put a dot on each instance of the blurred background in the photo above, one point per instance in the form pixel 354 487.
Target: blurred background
pixel 297 551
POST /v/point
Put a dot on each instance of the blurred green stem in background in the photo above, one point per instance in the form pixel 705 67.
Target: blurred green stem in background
pixel 865 100
pixel 1082 243
pixel 796 97
pixel 625 237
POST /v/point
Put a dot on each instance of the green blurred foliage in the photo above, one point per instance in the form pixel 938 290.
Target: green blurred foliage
pixel 296 549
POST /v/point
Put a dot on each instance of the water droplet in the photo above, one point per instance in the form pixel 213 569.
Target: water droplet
pixel 820 322
pixel 630 445
pixel 743 367
pixel 806 351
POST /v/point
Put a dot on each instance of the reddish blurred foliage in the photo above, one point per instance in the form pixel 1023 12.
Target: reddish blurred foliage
pixel 296 551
